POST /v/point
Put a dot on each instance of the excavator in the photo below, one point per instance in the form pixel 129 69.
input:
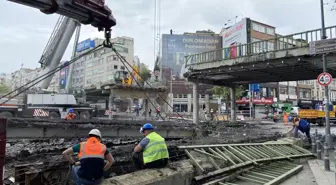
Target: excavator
pixel 73 14
pixel 125 78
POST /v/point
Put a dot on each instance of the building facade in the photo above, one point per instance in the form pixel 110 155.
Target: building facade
pixel 99 67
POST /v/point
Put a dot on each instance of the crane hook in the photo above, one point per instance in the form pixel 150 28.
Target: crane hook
pixel 107 43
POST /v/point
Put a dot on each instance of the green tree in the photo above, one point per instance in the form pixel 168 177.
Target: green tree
pixel 224 93
pixel 145 72
pixel 4 88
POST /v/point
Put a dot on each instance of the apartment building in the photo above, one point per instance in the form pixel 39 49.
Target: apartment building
pixel 100 66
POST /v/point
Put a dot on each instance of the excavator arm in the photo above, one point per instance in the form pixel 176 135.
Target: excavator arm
pixel 93 12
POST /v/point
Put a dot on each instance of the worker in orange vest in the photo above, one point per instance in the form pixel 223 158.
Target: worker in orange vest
pixel 285 118
pixel 91 154
pixel 71 115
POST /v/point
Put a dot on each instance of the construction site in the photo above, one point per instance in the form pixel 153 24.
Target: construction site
pixel 202 151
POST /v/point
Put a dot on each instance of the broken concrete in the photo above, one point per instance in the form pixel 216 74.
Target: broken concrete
pixel 36 128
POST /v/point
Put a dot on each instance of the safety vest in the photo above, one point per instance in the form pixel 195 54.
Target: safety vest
pixel 70 116
pixel 156 148
pixel 92 148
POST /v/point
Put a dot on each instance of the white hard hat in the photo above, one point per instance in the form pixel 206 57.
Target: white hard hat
pixel 95 132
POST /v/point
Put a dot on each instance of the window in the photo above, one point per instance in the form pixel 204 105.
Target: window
pixel 114 57
pixel 89 64
pixel 82 63
pixel 122 67
pixel 175 95
pixel 100 61
pixel 109 58
pixel 283 90
pixel 270 31
pixel 259 28
pixel 115 67
pixel 292 90
pixel 185 96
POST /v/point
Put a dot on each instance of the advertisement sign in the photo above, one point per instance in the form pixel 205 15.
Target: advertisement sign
pixel 264 101
pixel 176 47
pixel 254 87
pixel 234 36
pixel 84 45
pixel 63 77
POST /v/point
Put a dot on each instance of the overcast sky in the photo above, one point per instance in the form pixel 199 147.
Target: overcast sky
pixel 24 31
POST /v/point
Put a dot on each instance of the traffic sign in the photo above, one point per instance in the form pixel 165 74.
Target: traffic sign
pixel 324 79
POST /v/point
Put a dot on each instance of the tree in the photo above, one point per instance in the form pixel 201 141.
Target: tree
pixel 4 88
pixel 145 72
pixel 224 93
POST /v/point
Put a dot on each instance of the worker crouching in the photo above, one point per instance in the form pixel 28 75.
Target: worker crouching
pixel 152 150
pixel 71 115
pixel 302 126
pixel 91 154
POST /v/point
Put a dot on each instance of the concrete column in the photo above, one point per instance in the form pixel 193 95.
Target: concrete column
pixel 195 103
pixel 233 103
pixel 146 106
pixel 171 102
pixel 111 102
pixel 207 103
pixel 189 104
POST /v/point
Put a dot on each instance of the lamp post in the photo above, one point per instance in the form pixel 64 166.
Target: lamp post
pixel 326 89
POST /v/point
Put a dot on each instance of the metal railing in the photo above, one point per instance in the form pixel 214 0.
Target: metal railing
pixel 293 41
pixel 227 157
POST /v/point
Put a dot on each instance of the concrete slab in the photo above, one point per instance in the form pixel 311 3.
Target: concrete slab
pixel 322 177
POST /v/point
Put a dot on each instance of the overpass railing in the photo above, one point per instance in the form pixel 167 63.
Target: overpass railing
pixel 278 43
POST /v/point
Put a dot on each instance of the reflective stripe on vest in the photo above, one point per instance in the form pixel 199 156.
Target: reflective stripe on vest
pixel 92 148
pixel 156 148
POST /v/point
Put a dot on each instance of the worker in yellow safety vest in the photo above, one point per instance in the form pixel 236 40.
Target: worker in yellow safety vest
pixel 152 150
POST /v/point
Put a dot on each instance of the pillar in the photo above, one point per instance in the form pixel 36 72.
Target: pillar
pixel 233 103
pixel 171 102
pixel 146 106
pixel 3 128
pixel 195 103
pixel 207 103
pixel 189 104
pixel 111 102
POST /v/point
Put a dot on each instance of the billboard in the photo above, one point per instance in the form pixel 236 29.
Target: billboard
pixel 176 47
pixel 234 36
pixel 84 45
pixel 63 76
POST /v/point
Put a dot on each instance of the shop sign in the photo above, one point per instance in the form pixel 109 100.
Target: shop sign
pixel 268 101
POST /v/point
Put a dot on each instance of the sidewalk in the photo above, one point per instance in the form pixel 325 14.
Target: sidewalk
pixel 322 177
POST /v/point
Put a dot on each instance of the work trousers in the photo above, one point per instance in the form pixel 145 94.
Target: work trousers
pixel 306 132
pixel 137 158
pixel 80 181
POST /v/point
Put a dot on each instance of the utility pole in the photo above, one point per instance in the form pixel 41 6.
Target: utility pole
pixel 326 89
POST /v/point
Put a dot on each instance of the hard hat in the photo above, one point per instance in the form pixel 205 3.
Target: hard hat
pixel 147 126
pixel 290 118
pixel 71 110
pixel 95 132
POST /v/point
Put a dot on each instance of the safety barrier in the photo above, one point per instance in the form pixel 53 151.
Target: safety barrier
pixel 297 40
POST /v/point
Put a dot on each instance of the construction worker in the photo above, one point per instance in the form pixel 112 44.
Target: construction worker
pixel 91 154
pixel 302 125
pixel 152 150
pixel 285 118
pixel 71 115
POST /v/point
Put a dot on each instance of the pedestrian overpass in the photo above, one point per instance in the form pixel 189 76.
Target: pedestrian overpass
pixel 256 62
pixel 289 59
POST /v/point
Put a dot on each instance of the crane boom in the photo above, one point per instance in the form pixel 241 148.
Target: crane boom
pixel 55 50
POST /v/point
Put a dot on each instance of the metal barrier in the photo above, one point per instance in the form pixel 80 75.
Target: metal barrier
pixel 228 157
pixel 268 174
pixel 297 40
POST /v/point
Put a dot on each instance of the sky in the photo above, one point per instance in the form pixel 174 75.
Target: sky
pixel 25 31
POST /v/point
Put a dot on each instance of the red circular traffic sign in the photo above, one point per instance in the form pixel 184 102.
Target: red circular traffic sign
pixel 324 79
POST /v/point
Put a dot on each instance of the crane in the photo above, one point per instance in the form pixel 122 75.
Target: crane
pixel 73 14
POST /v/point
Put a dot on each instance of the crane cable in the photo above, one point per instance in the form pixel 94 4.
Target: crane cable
pixel 124 61
pixel 45 76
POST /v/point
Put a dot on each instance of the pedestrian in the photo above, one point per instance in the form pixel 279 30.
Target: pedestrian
pixel 302 126
pixel 150 112
pixel 285 118
pixel 91 154
pixel 152 151
pixel 157 111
